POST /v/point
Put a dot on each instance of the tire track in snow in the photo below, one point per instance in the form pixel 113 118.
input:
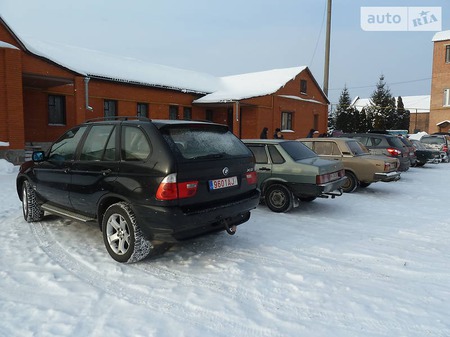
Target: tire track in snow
pixel 204 319
pixel 209 320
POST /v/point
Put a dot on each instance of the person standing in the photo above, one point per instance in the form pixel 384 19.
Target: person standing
pixel 311 133
pixel 263 134
pixel 278 134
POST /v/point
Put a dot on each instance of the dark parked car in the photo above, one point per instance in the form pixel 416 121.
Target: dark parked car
pixel 438 142
pixel 425 155
pixel 289 171
pixel 386 144
pixel 411 150
pixel 143 181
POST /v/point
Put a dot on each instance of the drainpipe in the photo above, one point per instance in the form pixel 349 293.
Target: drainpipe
pixel 86 93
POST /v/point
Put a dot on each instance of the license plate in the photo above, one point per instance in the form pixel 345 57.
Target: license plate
pixel 334 176
pixel 223 183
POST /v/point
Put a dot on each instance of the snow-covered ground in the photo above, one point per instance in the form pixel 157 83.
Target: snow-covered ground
pixel 372 263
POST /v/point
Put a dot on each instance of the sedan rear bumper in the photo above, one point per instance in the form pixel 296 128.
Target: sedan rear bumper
pixel 386 177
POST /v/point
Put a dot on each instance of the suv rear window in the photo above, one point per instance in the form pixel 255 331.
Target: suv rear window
pixel 200 141
pixel 395 141
pixel 432 140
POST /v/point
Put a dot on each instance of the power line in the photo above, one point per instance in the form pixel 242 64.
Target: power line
pixel 389 84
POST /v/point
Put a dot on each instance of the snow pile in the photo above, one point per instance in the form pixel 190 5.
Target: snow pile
pixel 418 135
pixel 6 167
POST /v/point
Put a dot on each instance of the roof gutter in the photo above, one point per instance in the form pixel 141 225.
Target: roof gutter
pixel 86 93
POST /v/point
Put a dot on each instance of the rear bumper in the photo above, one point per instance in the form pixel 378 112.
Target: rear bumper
pixel 386 177
pixel 333 188
pixel 172 224
pixel 404 164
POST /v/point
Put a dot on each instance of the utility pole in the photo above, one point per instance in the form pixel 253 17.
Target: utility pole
pixel 327 50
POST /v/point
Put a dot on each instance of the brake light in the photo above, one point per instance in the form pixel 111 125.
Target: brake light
pixel 445 148
pixel 170 189
pixel 252 178
pixel 394 152
pixel 327 177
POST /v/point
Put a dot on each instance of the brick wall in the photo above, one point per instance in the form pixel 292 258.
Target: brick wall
pixel 440 81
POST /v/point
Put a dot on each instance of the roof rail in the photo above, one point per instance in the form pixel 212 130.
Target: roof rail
pixel 120 118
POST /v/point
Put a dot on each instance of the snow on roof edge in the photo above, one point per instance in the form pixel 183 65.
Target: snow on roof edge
pixel 441 36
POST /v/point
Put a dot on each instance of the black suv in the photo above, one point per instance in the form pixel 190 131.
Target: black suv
pixel 143 181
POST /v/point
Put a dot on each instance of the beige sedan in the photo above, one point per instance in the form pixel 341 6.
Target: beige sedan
pixel 361 167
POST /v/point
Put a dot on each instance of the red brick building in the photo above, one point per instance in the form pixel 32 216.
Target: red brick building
pixel 46 89
pixel 440 84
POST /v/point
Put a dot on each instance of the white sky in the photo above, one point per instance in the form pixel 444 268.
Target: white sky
pixel 233 37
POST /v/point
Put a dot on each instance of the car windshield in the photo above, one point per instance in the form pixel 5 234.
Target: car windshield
pixel 203 141
pixel 432 140
pixel 357 149
pixel 297 150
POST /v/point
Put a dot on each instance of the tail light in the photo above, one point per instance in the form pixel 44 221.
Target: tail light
pixel 251 177
pixel 170 189
pixel 327 177
pixel 445 148
pixel 394 152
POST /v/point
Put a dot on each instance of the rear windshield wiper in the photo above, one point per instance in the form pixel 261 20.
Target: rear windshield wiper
pixel 210 156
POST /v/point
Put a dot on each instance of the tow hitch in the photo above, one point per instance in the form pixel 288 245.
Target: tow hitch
pixel 230 229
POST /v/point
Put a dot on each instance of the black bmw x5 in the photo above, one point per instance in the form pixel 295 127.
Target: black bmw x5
pixel 144 181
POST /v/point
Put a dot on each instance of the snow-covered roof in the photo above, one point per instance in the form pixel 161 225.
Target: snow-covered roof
pixel 238 87
pixel 415 104
pixel 441 36
pixel 94 63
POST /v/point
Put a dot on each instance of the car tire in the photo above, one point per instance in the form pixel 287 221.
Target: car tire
pixel 279 198
pixel 122 236
pixel 31 209
pixel 351 184
pixel 364 185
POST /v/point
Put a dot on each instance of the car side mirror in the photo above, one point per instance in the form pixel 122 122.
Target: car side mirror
pixel 38 156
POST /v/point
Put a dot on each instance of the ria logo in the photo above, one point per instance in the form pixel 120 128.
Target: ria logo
pixel 401 18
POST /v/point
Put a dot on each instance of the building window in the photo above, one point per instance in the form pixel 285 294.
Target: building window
pixel 303 86
pixel 109 108
pixel 446 97
pixel 286 121
pixel 56 110
pixel 447 54
pixel 142 110
pixel 173 112
pixel 187 113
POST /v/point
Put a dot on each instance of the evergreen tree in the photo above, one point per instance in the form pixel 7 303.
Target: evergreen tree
pixel 403 116
pixel 382 107
pixel 347 118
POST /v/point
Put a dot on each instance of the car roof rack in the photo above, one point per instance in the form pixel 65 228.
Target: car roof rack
pixel 118 118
